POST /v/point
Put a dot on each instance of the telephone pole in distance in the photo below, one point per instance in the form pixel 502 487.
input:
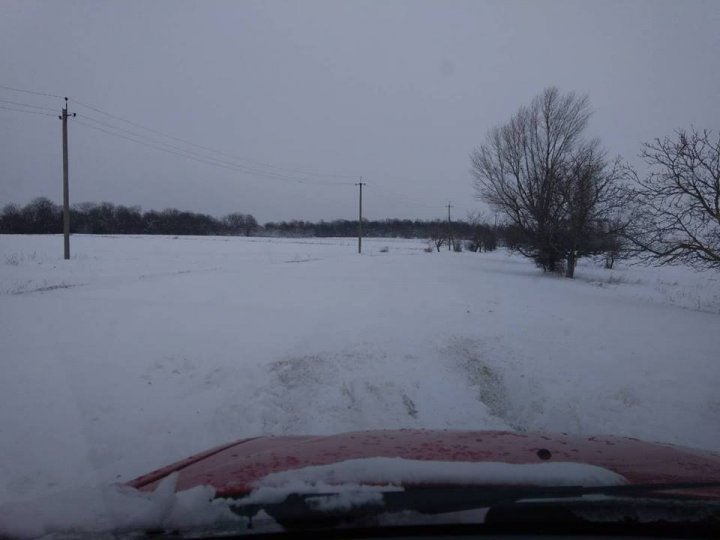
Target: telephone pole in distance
pixel 360 184
pixel 66 187
pixel 449 206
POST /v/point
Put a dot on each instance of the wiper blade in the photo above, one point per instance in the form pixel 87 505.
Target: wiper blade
pixel 318 509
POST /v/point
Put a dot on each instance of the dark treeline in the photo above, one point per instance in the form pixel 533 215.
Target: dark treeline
pixel 42 216
pixel 397 228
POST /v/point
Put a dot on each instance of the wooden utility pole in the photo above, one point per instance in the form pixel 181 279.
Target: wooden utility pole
pixel 66 185
pixel 360 184
pixel 449 229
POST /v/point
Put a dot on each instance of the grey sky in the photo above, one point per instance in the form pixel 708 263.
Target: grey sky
pixel 396 91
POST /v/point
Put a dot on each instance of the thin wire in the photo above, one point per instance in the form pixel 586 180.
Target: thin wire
pixel 173 149
pixel 190 154
pixel 25 111
pixel 206 148
pixel 276 172
pixel 156 147
pixel 414 204
pixel 27 105
pixel 170 148
pixel 30 92
pixel 206 160
pixel 149 140
pixel 186 152
pixel 406 199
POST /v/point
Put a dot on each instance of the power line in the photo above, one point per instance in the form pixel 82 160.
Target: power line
pixel 414 204
pixel 26 105
pixel 208 149
pixel 200 158
pixel 243 165
pixel 30 92
pixel 405 199
pixel 251 166
pixel 26 111
pixel 149 141
pixel 197 156
pixel 169 151
pixel 194 154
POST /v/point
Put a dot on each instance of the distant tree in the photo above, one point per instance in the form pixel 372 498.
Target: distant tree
pixel 80 218
pixel 250 225
pixel 152 222
pixel 474 241
pixel 42 216
pixel 554 187
pixel 238 223
pixel 596 198
pixel 12 220
pixel 102 218
pixel 615 248
pixel 489 239
pixel 482 235
pixel 128 220
pixel 438 236
pixel 679 201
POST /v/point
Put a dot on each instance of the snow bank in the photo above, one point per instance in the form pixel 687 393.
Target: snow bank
pixel 116 509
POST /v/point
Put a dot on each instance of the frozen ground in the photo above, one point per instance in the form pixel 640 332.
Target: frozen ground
pixel 142 350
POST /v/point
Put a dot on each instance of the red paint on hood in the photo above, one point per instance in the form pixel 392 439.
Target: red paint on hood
pixel 233 468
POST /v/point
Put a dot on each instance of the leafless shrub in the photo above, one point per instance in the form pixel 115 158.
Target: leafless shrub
pixel 554 188
pixel 679 201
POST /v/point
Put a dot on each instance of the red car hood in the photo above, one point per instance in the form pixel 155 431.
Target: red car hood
pixel 232 469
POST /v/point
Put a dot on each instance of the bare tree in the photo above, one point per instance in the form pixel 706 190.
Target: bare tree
pixel 597 207
pixel 483 236
pixel 237 223
pixel 12 219
pixel 438 236
pixel 42 216
pixel 552 186
pixel 679 201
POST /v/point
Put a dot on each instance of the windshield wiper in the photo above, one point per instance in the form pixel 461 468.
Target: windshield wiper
pixel 322 510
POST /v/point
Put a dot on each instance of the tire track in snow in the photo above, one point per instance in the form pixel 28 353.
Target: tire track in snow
pixel 332 392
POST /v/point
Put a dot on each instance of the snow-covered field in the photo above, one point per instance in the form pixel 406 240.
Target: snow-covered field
pixel 142 350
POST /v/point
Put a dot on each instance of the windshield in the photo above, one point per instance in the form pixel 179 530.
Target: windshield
pixel 223 221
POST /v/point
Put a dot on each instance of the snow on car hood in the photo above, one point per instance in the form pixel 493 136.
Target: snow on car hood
pixel 387 474
pixel 399 471
pixel 119 508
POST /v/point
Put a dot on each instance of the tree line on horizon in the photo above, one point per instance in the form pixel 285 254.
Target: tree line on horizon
pixel 42 216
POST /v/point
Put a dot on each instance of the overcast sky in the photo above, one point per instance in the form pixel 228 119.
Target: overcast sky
pixel 396 91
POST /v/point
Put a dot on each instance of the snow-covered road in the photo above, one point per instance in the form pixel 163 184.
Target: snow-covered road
pixel 142 350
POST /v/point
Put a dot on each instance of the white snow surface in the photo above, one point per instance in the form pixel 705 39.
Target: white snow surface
pixel 398 471
pixel 116 509
pixel 140 351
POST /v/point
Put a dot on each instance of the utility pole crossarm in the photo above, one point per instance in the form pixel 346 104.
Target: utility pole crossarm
pixel 66 187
